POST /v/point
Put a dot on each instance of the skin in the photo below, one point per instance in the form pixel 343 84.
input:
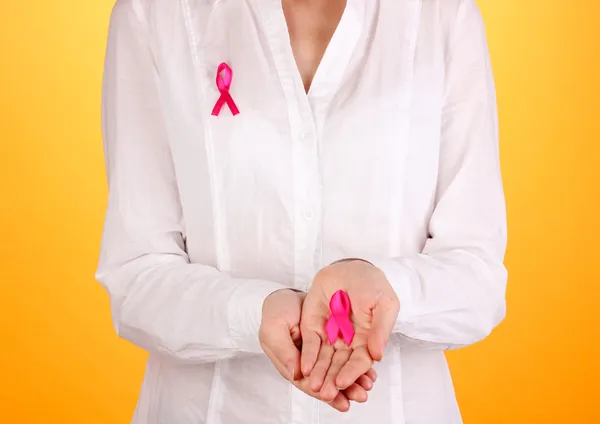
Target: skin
pixel 311 24
pixel 293 335
pixel 281 340
pixel 374 310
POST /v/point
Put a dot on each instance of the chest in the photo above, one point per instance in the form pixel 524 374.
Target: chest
pixel 376 93
pixel 311 26
pixel 352 146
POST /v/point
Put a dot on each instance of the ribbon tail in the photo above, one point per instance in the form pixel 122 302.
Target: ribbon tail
pixel 332 329
pixel 217 109
pixel 232 106
pixel 347 330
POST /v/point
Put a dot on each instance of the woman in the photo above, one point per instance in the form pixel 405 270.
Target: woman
pixel 263 154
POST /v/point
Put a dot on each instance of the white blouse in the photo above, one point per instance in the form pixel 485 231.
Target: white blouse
pixel 392 156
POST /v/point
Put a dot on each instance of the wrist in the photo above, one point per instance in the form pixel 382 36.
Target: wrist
pixel 286 291
pixel 351 260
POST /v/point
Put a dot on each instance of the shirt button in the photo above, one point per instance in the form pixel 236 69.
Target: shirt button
pixel 308 214
pixel 305 135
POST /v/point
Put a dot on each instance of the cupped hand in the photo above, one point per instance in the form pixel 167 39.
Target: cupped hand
pixel 280 338
pixel 374 310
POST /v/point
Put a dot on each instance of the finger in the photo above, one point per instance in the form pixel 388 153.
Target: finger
pixel 281 369
pixel 317 376
pixel 296 337
pixel 365 382
pixel 289 374
pixel 311 345
pixel 341 403
pixel 359 363
pixel 356 393
pixel 280 347
pixel 330 389
pixel 372 374
pixel 385 314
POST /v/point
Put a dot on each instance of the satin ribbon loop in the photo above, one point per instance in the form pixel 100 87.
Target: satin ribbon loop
pixel 224 78
pixel 339 321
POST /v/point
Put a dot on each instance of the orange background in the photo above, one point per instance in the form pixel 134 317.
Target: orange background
pixel 60 360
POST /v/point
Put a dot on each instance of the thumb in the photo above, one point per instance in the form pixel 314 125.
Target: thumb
pixel 384 318
pixel 280 347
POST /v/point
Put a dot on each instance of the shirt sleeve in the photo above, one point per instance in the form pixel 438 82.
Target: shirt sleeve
pixel 452 294
pixel 159 300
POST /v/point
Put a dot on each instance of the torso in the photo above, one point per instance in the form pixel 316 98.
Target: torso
pixel 298 180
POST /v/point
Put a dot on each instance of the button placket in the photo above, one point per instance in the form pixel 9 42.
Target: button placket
pixel 308 215
pixel 306 175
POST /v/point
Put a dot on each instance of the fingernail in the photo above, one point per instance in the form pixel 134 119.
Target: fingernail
pixel 291 371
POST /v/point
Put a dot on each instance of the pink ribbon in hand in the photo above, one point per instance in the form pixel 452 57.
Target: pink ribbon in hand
pixel 224 77
pixel 339 321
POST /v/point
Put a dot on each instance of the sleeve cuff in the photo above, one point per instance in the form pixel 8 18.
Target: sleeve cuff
pixel 399 278
pixel 402 281
pixel 245 313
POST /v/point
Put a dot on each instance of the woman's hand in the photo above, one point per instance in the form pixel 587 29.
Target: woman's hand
pixel 374 310
pixel 356 392
pixel 281 340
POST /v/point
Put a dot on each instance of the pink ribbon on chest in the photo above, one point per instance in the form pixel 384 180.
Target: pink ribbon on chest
pixel 339 321
pixel 224 77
